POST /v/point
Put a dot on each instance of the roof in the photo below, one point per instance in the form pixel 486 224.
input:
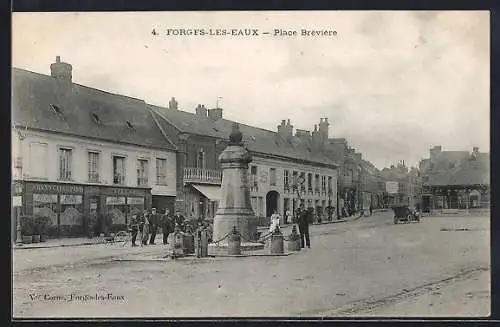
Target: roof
pixel 41 102
pixel 473 172
pixel 257 140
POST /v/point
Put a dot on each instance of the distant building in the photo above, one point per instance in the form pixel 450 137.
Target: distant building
pixel 455 179
pixel 80 153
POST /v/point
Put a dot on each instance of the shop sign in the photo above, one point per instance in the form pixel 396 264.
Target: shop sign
pixel 133 201
pixel 71 199
pixel 45 198
pixel 55 188
pixel 127 192
pixel 115 200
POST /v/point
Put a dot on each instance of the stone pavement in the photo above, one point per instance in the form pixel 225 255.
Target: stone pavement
pixel 367 266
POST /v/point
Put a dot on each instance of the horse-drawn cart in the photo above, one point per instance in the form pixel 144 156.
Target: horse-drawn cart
pixel 402 213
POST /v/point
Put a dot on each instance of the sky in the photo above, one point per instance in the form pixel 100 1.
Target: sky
pixel 392 83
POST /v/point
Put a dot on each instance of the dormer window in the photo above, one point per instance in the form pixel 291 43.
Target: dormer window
pixel 55 109
pixel 96 119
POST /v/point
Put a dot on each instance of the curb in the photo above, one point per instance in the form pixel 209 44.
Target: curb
pixel 17 247
pixel 30 247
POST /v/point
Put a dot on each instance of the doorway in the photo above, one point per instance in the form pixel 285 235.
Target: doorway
pixel 272 198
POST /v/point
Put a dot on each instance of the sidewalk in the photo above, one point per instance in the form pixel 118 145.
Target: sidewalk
pixel 82 241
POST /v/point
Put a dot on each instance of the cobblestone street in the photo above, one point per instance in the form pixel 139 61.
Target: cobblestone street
pixel 439 267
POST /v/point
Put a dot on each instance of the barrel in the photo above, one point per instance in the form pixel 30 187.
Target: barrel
pixel 234 244
pixel 201 243
pixel 293 244
pixel 188 241
pixel 277 244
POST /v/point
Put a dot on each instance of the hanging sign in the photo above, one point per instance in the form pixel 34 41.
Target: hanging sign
pixel 17 201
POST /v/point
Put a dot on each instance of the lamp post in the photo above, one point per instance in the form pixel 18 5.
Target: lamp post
pixel 18 190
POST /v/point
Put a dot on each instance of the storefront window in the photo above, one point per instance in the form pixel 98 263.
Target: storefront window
pixel 116 206
pixel 71 214
pixel 45 205
pixel 136 206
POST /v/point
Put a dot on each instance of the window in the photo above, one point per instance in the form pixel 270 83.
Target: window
pixel 295 179
pixel 286 179
pixel 93 161
pixel 38 160
pixel 161 171
pixel 302 179
pixel 329 184
pixel 253 173
pixel 65 164
pixel 118 170
pixel 142 172
pixel 309 182
pixel 323 183
pixel 316 183
pixel 200 159
pixel 272 176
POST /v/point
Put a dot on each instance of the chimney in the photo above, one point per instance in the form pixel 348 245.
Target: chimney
pixel 173 104
pixel 285 130
pixel 61 70
pixel 201 111
pixel 317 140
pixel 323 128
pixel 215 114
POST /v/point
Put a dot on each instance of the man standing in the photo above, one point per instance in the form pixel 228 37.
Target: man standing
pixel 303 221
pixel 166 226
pixel 153 225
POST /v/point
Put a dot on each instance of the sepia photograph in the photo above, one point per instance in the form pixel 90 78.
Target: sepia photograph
pixel 232 164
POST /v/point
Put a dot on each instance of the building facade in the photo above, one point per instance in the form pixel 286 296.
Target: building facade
pixel 455 180
pixel 278 157
pixel 79 154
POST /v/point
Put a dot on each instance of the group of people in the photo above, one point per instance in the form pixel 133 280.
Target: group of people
pixel 303 218
pixel 146 225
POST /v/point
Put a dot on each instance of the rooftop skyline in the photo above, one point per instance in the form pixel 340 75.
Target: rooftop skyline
pixel 394 84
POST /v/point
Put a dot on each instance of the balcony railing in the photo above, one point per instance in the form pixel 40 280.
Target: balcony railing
pixel 199 175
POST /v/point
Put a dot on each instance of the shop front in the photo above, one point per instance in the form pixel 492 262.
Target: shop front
pixel 78 210
pixel 62 203
pixel 203 201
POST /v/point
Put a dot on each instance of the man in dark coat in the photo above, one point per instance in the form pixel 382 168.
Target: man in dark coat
pixel 154 222
pixel 304 219
pixel 166 225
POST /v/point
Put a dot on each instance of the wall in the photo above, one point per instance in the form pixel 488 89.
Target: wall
pixel 80 149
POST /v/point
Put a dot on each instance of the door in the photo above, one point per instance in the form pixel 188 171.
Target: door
pixel 91 223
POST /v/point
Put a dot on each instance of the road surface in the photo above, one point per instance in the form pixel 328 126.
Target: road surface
pixel 366 267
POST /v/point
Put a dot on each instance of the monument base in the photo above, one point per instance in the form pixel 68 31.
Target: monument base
pixel 222 248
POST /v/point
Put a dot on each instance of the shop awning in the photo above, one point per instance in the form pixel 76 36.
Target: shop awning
pixel 211 192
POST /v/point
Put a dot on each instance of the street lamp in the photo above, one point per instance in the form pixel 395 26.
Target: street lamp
pixel 18 188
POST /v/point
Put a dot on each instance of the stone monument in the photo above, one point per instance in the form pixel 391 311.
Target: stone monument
pixel 235 209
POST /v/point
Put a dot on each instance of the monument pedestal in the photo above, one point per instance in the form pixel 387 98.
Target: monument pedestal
pixel 221 248
pixel 235 209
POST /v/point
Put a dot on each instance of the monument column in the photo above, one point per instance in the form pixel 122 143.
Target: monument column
pixel 234 209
